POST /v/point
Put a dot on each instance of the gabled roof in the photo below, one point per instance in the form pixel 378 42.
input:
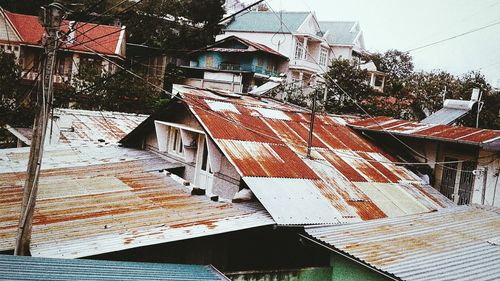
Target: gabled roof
pixel 32 268
pixel 103 39
pixel 118 201
pixel 486 138
pixel 349 178
pixel 251 47
pixel 343 32
pixel 458 243
pixel 257 21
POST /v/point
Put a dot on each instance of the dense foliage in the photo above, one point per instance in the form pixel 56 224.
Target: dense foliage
pixel 15 100
pixel 407 94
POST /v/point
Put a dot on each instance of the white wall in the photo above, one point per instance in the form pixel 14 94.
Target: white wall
pixel 488 180
pixel 344 52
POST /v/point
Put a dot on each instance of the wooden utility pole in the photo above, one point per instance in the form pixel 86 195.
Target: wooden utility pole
pixel 50 18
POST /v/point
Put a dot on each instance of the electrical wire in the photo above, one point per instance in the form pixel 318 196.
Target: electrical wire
pixel 454 37
pixel 203 108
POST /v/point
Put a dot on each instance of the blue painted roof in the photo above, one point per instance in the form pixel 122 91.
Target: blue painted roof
pixel 340 31
pixel 268 22
pixel 32 268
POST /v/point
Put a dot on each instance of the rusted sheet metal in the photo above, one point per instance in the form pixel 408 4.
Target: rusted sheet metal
pixel 85 211
pixel 64 156
pixel 255 159
pixel 268 141
pixel 84 126
pixel 458 134
pixel 455 243
pixel 78 127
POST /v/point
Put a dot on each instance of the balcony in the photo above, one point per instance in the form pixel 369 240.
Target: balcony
pixel 247 68
pixel 306 65
pixel 34 75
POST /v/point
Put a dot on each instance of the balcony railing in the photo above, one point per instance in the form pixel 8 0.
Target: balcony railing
pixel 247 67
pixel 310 65
pixel 34 75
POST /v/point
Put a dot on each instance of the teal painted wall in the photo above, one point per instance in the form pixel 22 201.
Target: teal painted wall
pixel 245 61
pixel 344 269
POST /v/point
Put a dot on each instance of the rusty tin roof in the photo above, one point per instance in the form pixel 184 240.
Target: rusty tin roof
pixel 486 138
pixel 458 243
pixel 115 204
pixel 348 179
pixel 79 127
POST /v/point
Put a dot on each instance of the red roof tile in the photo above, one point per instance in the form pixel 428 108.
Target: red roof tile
pixel 102 39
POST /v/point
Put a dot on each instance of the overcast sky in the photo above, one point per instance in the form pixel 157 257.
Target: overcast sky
pixel 404 24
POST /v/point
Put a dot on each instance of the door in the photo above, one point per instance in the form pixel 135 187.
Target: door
pixel 466 182
pixel 449 178
pixel 204 176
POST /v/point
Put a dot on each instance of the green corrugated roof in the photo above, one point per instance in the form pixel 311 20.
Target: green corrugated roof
pixel 267 22
pixel 31 268
pixel 340 31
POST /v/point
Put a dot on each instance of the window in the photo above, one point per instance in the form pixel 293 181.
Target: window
pixel 209 61
pixel 260 62
pixel 379 80
pixel 323 56
pixel 175 142
pixel 299 50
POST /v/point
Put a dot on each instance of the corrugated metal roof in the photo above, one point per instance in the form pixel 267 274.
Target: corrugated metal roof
pixel 449 133
pixel 348 176
pixel 88 210
pixel 65 156
pixel 450 244
pixel 78 127
pixel 260 21
pixel 252 47
pixel 33 268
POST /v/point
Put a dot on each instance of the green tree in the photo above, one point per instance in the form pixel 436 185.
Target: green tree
pixel 357 91
pixel 15 106
pixel 120 91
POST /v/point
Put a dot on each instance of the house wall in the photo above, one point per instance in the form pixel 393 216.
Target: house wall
pixel 487 183
pixel 347 270
pixel 226 180
pixel 6 31
pixel 344 52
pixel 302 274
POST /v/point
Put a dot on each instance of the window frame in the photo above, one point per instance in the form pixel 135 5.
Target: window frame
pixel 299 50
pixel 175 145
pixel 323 56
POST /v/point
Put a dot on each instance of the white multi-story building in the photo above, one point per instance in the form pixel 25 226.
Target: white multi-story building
pixel 308 43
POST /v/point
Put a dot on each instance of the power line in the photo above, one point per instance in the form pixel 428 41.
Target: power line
pixel 455 36
pixel 203 108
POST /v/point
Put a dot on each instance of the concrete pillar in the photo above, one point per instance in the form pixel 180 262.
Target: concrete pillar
pixel 305 49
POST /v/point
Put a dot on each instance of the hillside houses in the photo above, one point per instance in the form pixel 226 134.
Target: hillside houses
pixel 309 44
pixel 226 181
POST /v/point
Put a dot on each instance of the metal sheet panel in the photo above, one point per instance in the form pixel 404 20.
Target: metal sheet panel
pixel 450 244
pixel 90 210
pixel 293 201
pixel 33 268
pixel 426 130
pixel 445 116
